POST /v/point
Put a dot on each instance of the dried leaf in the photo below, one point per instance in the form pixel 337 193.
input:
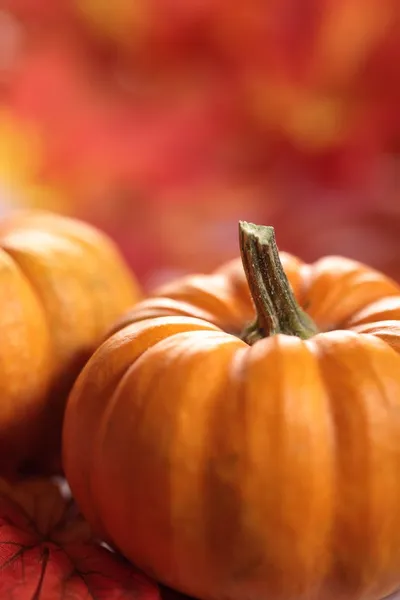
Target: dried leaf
pixel 47 551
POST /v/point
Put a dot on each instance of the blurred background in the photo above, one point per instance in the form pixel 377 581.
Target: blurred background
pixel 164 122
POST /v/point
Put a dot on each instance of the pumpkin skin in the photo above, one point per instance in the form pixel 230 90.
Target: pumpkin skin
pixel 63 284
pixel 235 472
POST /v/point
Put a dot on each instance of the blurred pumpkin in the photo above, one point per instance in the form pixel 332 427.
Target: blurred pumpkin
pixel 236 460
pixel 63 284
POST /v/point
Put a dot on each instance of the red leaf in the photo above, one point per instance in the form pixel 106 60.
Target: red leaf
pixel 47 551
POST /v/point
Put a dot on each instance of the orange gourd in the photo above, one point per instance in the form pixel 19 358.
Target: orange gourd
pixel 63 283
pixel 236 461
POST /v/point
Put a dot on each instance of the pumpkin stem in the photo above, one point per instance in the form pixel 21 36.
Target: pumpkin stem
pixel 276 306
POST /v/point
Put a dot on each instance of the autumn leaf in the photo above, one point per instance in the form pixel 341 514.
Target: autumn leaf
pixel 47 551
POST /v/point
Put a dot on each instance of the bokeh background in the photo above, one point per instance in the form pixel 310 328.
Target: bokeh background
pixel 164 122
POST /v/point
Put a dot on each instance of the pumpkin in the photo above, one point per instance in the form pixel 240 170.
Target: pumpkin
pixel 63 284
pixel 245 425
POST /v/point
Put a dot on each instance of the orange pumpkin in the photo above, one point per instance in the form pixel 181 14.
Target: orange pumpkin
pixel 261 465
pixel 63 283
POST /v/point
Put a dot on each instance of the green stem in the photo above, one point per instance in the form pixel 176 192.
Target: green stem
pixel 276 306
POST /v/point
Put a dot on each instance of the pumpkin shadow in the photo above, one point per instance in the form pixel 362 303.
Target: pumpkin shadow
pixel 168 594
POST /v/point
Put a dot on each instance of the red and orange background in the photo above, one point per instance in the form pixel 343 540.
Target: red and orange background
pixel 164 122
